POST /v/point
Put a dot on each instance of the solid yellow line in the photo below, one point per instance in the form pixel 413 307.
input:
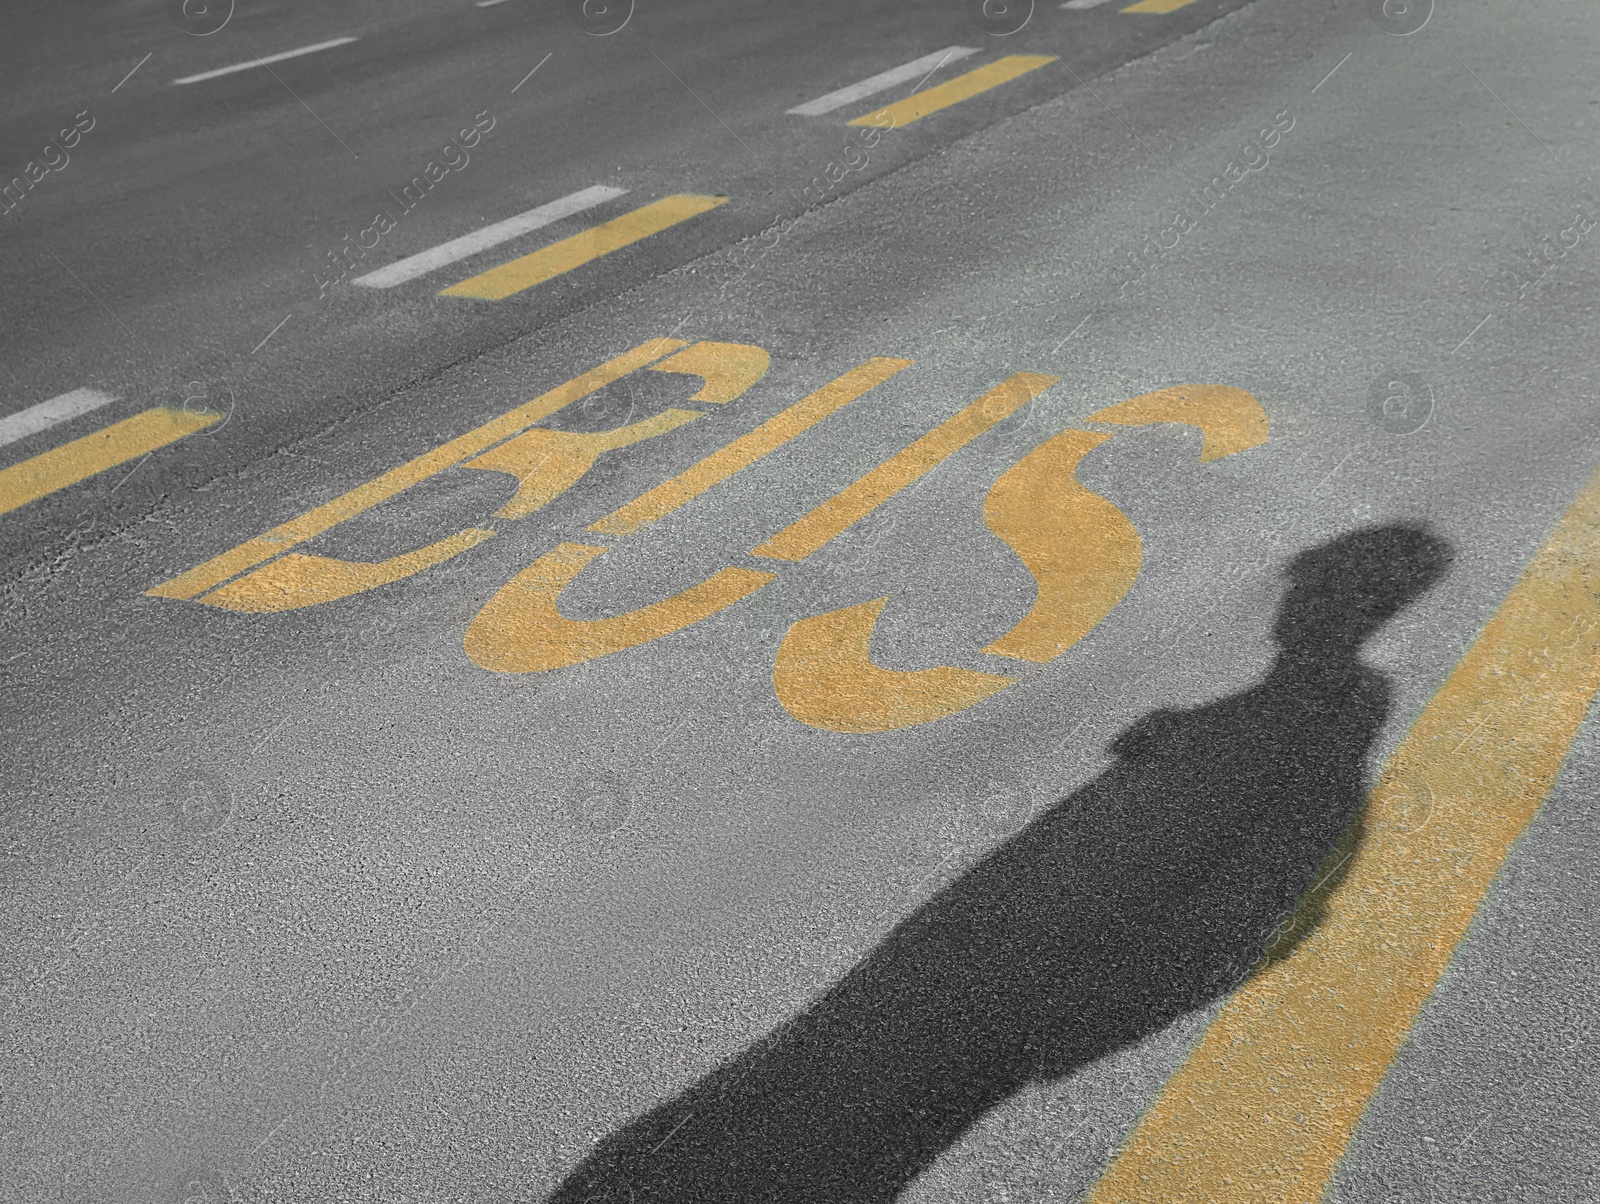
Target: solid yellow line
pixel 962 87
pixel 1264 1108
pixel 363 497
pixel 747 449
pixel 854 502
pixel 569 253
pixel 106 448
pixel 1156 6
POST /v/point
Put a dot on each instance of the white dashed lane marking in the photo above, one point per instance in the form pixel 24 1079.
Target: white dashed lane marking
pixel 489 236
pixel 905 73
pixel 262 62
pixel 47 414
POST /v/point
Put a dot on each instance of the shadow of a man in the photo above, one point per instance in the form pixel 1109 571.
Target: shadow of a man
pixel 1142 896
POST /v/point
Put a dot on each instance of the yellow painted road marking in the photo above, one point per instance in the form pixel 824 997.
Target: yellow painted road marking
pixel 106 448
pixel 962 87
pixel 853 503
pixel 547 463
pixel 747 449
pixel 916 69
pixel 549 262
pixel 298 580
pixel 1266 1104
pixel 521 629
pixel 486 237
pixel 1083 552
pixel 824 677
pixel 729 369
pixel 1156 6
pixel 1230 420
pixel 363 497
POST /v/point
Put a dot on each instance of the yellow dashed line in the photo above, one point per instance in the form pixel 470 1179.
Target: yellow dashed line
pixel 1265 1106
pixel 1156 6
pixel 962 87
pixel 106 448
pixel 549 262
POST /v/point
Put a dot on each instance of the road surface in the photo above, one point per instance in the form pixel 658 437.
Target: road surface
pixel 854 603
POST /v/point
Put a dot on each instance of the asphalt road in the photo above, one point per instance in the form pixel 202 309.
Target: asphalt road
pixel 191 221
pixel 1191 800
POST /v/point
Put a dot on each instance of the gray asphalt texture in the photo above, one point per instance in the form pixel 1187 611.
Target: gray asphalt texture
pixel 456 935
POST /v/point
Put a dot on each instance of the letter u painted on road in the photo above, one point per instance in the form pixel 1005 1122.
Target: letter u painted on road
pixel 521 629
pixel 1081 550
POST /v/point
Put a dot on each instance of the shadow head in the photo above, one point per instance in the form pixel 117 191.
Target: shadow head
pixel 1341 592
